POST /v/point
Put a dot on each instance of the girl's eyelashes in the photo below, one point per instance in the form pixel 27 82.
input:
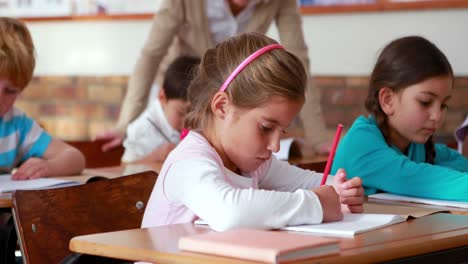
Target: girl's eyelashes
pixel 425 103
pixel 268 129
pixel 265 128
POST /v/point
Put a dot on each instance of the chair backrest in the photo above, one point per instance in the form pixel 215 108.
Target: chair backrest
pixel 95 157
pixel 47 219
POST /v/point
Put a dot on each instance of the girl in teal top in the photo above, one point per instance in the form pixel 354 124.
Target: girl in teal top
pixel 392 150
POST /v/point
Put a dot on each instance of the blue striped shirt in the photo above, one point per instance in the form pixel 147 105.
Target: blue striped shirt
pixel 20 139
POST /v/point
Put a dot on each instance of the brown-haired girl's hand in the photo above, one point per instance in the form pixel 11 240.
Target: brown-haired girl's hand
pixel 32 168
pixel 330 201
pixel 350 191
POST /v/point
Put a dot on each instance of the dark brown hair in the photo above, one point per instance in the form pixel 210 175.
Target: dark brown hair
pixel 404 62
pixel 17 60
pixel 275 73
pixel 178 76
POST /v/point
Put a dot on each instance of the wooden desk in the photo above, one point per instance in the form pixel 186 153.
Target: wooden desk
pixel 108 172
pixel 414 237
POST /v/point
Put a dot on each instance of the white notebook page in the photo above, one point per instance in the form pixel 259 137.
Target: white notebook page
pixel 9 185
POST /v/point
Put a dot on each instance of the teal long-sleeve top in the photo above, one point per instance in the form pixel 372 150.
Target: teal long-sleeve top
pixel 364 152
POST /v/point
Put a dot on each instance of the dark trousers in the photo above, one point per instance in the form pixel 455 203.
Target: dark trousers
pixel 8 238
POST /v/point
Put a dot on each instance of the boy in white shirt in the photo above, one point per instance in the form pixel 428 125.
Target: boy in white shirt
pixel 156 131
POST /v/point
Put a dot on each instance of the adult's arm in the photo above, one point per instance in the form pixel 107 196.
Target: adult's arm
pixel 166 24
pixel 289 23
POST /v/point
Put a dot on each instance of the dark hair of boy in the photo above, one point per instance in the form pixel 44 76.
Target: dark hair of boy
pixel 178 76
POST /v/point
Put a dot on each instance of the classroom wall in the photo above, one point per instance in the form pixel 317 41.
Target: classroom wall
pixel 339 44
pixel 84 65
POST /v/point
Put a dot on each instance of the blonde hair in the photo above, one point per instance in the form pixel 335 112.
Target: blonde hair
pixel 17 60
pixel 275 73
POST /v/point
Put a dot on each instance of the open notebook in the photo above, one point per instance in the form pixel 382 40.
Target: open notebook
pixel 409 199
pixel 352 224
pixel 9 185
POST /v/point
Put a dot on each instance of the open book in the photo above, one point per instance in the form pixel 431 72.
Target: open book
pixel 404 211
pixel 259 245
pixel 402 198
pixel 351 224
pixel 9 185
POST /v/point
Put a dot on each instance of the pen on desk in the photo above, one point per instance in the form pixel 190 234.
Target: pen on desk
pixel 159 130
pixel 332 154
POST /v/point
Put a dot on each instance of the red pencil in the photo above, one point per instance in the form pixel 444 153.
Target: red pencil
pixel 332 154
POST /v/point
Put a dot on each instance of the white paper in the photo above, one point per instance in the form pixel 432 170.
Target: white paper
pixel 9 185
pixel 402 198
pixel 351 224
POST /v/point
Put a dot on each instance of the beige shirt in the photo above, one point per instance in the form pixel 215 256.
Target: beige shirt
pixel 181 27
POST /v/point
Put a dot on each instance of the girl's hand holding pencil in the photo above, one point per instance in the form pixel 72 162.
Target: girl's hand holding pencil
pixel 345 196
pixel 330 201
pixel 350 191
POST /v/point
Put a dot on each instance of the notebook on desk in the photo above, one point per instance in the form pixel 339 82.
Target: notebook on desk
pixel 410 199
pixel 351 225
pixel 260 245
pixel 9 185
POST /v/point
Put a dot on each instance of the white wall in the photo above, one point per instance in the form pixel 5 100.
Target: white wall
pixel 341 44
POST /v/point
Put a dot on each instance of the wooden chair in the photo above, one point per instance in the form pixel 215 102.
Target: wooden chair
pixel 95 157
pixel 46 220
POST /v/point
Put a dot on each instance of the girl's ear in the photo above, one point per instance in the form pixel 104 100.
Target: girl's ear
pixel 220 104
pixel 387 100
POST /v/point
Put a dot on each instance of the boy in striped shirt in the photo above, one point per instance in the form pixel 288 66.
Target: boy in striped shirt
pixel 23 143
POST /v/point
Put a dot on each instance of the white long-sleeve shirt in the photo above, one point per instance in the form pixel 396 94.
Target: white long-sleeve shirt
pixel 148 132
pixel 196 183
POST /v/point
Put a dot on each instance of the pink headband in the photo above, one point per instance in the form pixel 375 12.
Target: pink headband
pixel 239 68
pixel 246 62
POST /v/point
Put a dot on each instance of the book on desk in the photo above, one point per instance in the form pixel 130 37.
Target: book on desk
pixel 410 199
pixel 349 226
pixel 9 185
pixel 260 245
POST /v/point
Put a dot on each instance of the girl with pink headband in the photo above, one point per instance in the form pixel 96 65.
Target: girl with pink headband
pixel 247 91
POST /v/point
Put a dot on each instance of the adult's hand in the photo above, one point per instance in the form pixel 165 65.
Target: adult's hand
pixel 112 138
